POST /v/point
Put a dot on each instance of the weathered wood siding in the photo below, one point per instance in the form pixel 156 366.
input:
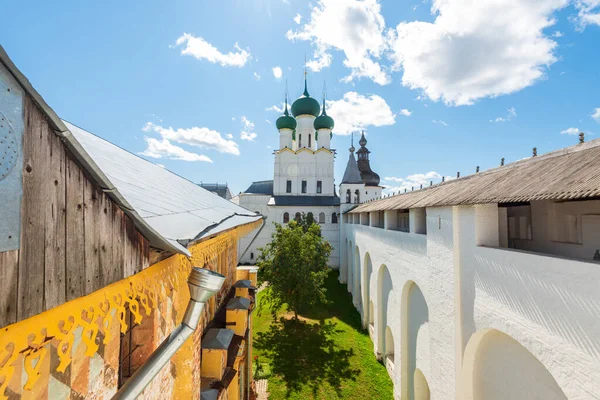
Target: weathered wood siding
pixel 74 239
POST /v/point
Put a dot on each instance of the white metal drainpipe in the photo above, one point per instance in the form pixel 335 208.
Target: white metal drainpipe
pixel 203 284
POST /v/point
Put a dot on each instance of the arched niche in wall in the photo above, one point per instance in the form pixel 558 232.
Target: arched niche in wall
pixel 366 289
pixel 415 339
pixel 356 293
pixel 496 366
pixel 350 263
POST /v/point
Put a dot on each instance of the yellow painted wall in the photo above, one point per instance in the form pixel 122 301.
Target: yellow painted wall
pixel 240 318
pixel 73 349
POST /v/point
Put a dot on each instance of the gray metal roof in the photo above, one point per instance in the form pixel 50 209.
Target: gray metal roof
pixel 260 187
pixel 217 339
pixel 352 174
pixel 305 201
pixel 243 283
pixel 238 303
pixel 567 174
pixel 209 394
pixel 220 189
pixel 176 208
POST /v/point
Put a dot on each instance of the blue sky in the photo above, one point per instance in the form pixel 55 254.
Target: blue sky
pixel 439 86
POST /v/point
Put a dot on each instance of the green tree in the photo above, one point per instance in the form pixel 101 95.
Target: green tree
pixel 294 264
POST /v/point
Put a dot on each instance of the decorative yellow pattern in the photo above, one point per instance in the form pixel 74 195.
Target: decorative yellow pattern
pixel 140 293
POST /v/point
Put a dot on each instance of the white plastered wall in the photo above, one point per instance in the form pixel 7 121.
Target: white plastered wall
pixel 548 305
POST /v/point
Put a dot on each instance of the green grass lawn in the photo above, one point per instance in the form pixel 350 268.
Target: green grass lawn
pixel 326 355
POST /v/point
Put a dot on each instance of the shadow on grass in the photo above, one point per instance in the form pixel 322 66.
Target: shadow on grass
pixel 338 304
pixel 305 354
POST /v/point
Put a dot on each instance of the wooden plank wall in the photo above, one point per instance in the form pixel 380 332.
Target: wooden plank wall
pixel 74 239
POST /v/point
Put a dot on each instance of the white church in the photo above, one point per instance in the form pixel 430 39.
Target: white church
pixel 303 178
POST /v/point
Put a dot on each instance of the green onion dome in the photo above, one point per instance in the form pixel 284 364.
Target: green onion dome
pixel 286 121
pixel 305 104
pixel 323 121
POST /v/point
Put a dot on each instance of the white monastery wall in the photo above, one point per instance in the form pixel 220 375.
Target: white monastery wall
pixel 471 320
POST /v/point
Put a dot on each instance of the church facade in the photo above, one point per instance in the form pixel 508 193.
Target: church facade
pixel 303 178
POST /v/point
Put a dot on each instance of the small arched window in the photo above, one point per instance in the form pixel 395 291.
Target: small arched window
pixel 348 196
pixel 357 196
pixel 310 216
pixel 298 217
pixel 286 217
pixel 334 218
pixel 322 218
pixel 252 256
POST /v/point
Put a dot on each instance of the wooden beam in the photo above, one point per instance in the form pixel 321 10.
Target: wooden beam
pixel 75 254
pixel 31 265
pixel 55 229
pixel 9 269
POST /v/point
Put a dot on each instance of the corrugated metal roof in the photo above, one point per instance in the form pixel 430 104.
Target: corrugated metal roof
pixel 567 174
pixel 178 209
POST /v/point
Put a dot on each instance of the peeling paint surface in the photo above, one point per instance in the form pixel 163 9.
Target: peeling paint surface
pixel 11 159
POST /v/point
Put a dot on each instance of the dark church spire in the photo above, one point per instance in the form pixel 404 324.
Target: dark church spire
pixel 369 177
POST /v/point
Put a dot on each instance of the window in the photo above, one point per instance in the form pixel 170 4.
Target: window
pixel 299 141
pixel 298 217
pixel 252 256
pixel 519 222
pixel 309 140
pixel 319 187
pixel 357 196
pixel 286 218
pixel 348 196
pixel 310 218
pixel 403 219
pixel 334 218
pixel 288 187
pixel 303 186
pixel 321 218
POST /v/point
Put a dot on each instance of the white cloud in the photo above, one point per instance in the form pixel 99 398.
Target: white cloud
pixel 398 185
pixel 277 108
pixel 256 76
pixel 439 122
pixel 298 18
pixel 229 136
pixel 165 149
pixel 247 130
pixel 195 136
pixel 199 48
pixel 352 26
pixel 557 34
pixel 277 72
pixel 405 112
pixel 267 121
pixel 596 115
pixel 355 112
pixel 588 13
pixel 570 131
pixel 249 136
pixel 512 112
pixel 269 147
pixel 476 49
